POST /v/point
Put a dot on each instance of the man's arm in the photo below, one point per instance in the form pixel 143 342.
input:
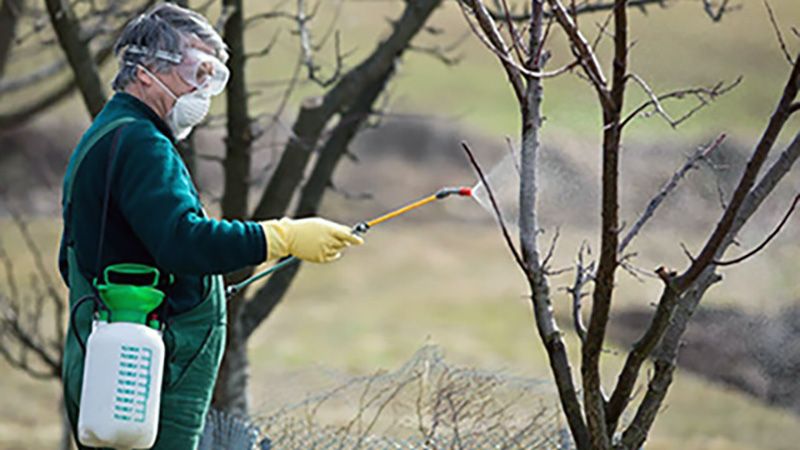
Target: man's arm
pixel 154 192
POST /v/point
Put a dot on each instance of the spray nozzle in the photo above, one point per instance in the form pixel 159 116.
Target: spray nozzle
pixel 446 192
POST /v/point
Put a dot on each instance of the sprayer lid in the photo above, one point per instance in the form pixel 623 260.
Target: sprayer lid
pixel 129 290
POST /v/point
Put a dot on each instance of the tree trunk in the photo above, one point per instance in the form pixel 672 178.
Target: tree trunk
pixel 265 300
pixel 78 55
pixel 239 140
pixel 230 392
pixel 531 111
pixel 352 97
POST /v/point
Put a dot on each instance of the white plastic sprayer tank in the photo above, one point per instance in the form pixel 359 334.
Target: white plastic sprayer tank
pixel 124 365
pixel 121 393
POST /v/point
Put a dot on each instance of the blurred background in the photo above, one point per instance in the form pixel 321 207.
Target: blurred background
pixel 441 275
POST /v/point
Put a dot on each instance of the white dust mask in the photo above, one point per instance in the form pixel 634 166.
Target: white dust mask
pixel 189 109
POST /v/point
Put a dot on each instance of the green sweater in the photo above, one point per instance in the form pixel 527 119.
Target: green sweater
pixel 155 216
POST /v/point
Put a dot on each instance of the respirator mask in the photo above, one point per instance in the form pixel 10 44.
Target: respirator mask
pixel 207 74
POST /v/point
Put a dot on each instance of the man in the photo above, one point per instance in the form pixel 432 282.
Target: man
pixel 128 198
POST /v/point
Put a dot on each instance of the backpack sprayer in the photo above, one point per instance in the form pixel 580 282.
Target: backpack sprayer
pixel 124 362
pixel 360 228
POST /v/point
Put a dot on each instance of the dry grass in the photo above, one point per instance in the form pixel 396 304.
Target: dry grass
pixel 449 283
pixel 453 283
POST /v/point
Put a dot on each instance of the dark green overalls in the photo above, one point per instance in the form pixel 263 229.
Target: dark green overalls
pixel 154 217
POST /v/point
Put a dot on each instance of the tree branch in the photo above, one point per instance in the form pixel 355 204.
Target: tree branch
pixel 32 78
pixel 585 54
pixel 594 403
pixel 778 33
pixel 535 270
pixel 315 114
pixel 584 8
pixel 704 95
pixel 257 309
pixel 493 40
pixel 700 154
pixel 498 214
pixel 682 311
pixel 716 16
pixel 765 144
pixel 766 241
pixel 583 274
pixel 28 111
pixel 76 49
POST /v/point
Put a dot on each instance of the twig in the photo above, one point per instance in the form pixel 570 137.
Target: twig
pixel 654 100
pixel 704 96
pixel 495 207
pixel 584 8
pixel 438 53
pixel 491 39
pixel 601 29
pixel 551 250
pixel 778 33
pixel 700 154
pixel 747 181
pixel 583 274
pixel 266 49
pixel 716 16
pixel 586 56
pixel 512 155
pixel 766 241
pixel 30 79
pixel 8 268
pixel 513 32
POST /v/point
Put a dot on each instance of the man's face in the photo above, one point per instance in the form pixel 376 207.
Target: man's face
pixel 173 79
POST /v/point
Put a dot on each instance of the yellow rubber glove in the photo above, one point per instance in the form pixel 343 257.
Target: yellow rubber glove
pixel 313 239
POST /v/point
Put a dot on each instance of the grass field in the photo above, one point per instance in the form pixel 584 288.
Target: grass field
pixel 447 283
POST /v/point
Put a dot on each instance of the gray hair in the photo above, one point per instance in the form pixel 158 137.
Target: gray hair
pixel 158 39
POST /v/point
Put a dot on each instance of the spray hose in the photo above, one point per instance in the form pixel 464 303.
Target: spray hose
pixel 359 229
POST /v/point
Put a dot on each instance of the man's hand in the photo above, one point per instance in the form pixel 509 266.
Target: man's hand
pixel 313 239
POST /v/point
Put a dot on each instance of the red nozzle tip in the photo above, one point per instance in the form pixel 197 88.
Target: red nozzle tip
pixel 465 191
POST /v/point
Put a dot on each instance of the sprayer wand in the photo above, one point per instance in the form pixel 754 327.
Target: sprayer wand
pixel 360 229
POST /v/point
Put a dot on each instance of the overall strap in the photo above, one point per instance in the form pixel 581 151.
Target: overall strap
pixel 82 289
pixel 84 148
pixel 82 151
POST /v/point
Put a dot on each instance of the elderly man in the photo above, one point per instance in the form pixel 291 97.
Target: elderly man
pixel 128 198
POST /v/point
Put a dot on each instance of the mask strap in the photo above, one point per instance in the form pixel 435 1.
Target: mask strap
pixel 159 82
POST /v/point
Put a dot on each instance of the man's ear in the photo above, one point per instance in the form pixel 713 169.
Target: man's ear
pixel 143 77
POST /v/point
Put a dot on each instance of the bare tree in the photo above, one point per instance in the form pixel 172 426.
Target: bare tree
pixel 349 96
pixel 325 125
pixel 86 41
pixel 32 314
pixel 595 419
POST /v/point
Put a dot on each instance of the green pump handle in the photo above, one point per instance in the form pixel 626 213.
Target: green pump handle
pixel 130 292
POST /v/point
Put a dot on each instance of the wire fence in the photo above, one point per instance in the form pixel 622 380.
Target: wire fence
pixel 426 404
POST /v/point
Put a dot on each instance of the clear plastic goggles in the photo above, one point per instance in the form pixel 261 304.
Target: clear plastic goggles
pixel 203 71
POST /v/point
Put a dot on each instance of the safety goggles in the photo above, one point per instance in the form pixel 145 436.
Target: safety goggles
pixel 203 71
